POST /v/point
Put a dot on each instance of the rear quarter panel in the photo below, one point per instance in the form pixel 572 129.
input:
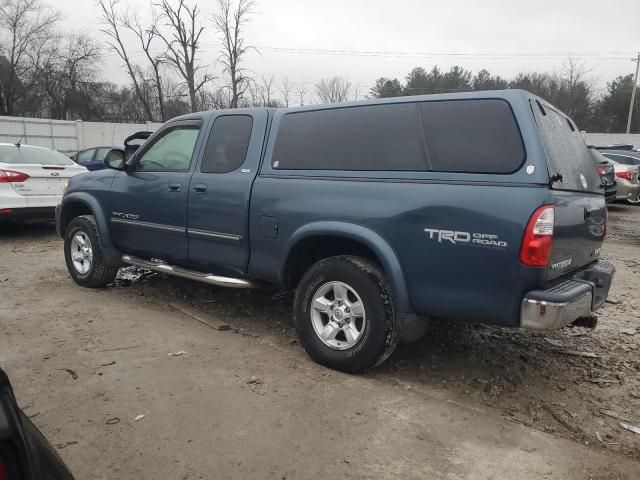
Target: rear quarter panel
pixel 472 281
pixel 476 282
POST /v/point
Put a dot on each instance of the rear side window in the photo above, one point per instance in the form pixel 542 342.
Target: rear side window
pixel 227 144
pixel 474 136
pixel 377 137
pixel 568 159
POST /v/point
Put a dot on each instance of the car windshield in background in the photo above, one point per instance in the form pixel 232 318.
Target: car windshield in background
pixel 622 159
pixel 40 156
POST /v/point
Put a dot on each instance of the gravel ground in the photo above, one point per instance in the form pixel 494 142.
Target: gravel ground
pixel 465 402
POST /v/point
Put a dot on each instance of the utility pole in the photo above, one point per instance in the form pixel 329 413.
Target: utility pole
pixel 633 92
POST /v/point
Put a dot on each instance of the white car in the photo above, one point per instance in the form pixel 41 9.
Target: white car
pixel 32 181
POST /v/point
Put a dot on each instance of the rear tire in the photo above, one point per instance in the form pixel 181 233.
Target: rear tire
pixel 344 314
pixel 83 254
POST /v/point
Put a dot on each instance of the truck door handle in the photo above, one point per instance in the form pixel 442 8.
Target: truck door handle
pixel 175 187
pixel 200 188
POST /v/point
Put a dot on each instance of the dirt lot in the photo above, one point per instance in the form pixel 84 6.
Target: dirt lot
pixel 467 402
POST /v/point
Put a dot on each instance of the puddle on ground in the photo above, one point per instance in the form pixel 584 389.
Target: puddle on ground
pixel 130 275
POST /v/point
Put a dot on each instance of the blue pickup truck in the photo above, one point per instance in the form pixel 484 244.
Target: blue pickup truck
pixel 383 215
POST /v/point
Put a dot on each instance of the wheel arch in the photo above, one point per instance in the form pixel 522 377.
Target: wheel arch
pixel 76 204
pixel 346 238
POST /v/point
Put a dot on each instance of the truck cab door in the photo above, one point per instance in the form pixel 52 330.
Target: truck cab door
pixel 148 201
pixel 220 191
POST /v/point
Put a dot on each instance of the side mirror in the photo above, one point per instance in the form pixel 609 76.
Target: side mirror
pixel 115 159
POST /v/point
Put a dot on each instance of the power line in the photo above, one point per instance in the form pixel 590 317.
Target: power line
pixel 457 55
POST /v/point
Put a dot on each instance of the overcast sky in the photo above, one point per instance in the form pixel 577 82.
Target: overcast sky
pixel 504 36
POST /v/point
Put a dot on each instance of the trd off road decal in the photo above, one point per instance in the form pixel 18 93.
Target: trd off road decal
pixel 487 240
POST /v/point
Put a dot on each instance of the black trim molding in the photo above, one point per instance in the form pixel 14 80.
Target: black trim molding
pixel 207 235
pixel 151 226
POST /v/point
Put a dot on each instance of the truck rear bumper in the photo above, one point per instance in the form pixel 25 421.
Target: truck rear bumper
pixel 564 303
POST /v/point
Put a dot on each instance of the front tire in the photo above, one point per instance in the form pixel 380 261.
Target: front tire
pixel 83 254
pixel 344 314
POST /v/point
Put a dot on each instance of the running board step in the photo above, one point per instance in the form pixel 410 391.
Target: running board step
pixel 190 274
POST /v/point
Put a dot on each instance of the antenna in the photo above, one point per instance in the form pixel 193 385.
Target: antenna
pixel 19 141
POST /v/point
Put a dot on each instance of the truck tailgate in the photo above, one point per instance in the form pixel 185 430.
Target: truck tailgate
pixel 580 224
pixel 576 191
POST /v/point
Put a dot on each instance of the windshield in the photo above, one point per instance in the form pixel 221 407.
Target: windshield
pixel 32 156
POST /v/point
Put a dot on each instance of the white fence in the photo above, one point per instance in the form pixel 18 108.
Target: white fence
pixel 612 138
pixel 66 136
pixel 69 137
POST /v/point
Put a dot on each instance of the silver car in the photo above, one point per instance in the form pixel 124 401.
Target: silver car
pixel 627 167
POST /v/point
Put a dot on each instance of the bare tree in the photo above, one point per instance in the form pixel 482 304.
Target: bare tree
pixel 302 92
pixel 183 45
pixel 255 97
pixel 576 90
pixel 146 36
pixel 334 90
pixel 266 90
pixel 112 22
pixel 27 23
pixel 217 98
pixel 66 75
pixel 229 23
pixel 287 90
pixel 575 71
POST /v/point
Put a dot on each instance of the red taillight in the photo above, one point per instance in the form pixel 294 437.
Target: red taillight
pixel 6 211
pixel 625 175
pixel 601 171
pixel 538 238
pixel 3 471
pixel 9 176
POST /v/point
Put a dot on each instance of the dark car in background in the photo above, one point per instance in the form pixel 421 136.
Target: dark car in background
pixel 617 146
pixel 607 174
pixel 24 452
pixel 92 158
